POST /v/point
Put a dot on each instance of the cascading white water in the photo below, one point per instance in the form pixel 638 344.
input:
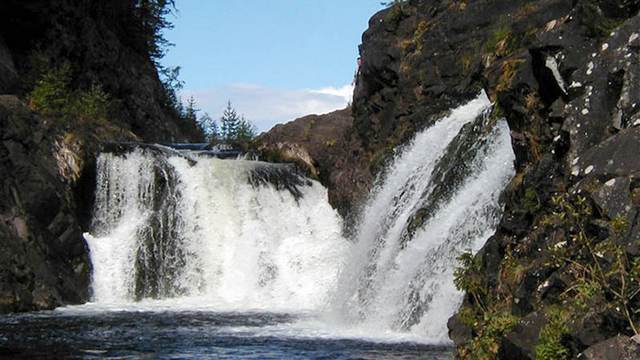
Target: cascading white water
pixel 246 235
pixel 402 280
pixel 230 242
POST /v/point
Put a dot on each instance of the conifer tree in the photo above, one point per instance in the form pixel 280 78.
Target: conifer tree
pixel 229 123
pixel 191 111
pixel 210 127
pixel 246 130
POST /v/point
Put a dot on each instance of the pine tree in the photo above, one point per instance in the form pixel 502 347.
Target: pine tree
pixel 246 130
pixel 191 111
pixel 210 127
pixel 152 24
pixel 229 124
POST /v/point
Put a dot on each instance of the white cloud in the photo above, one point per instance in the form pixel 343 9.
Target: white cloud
pixel 266 106
pixel 345 92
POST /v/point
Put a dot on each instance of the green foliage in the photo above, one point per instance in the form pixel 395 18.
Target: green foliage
pixel 600 268
pixel 92 104
pixel 246 131
pixel 489 329
pixel 330 142
pixel 619 224
pixel 52 96
pixel 418 34
pixel 594 20
pixel 530 200
pixel 229 123
pixel 191 110
pixel 467 61
pixel 151 21
pixel 550 345
pixel 499 42
pixel 508 73
pixel 171 84
pixel 584 293
pixel 487 318
pixel 234 128
pixel 466 277
pixel 395 12
pixel 210 128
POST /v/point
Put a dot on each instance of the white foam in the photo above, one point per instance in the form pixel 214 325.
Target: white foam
pixel 387 283
pixel 248 248
pixel 233 235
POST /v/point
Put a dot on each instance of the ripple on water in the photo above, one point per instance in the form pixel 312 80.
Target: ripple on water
pixel 188 334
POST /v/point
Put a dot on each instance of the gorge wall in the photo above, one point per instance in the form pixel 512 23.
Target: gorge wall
pixel 47 158
pixel 565 76
pixel 559 276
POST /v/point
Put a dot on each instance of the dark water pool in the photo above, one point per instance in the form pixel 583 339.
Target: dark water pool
pixel 184 335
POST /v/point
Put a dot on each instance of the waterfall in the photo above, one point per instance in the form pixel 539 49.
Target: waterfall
pixel 235 233
pixel 439 197
pixel 248 235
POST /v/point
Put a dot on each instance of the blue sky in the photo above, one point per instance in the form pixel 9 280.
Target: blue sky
pixel 276 60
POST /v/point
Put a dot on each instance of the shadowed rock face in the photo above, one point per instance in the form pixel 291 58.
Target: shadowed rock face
pixel 43 259
pixel 323 146
pixel 281 177
pixel 99 41
pixel 8 74
pixel 569 101
pixel 47 169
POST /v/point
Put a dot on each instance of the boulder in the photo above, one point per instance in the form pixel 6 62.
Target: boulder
pixel 321 146
pixel 616 348
pixel 459 332
pixel 614 157
pixel 521 341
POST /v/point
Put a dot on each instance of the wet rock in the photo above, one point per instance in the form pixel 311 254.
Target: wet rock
pixel 459 332
pixel 614 157
pixel 614 197
pixel 8 73
pixel 321 146
pixel 47 165
pixel 280 176
pixel 573 134
pixel 520 343
pixel 596 326
pixel 616 348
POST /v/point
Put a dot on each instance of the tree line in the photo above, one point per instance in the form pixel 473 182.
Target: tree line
pixel 152 20
pixel 230 128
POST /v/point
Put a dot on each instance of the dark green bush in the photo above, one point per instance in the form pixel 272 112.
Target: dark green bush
pixel 52 96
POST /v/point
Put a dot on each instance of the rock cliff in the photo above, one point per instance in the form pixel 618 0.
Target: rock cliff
pixel 321 145
pixel 561 273
pixel 47 159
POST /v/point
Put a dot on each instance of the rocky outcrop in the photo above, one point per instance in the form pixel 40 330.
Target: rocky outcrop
pixel 561 273
pixel 419 60
pixel 47 161
pixel 569 91
pixel 43 259
pixel 323 147
pixel 617 348
pixel 103 44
